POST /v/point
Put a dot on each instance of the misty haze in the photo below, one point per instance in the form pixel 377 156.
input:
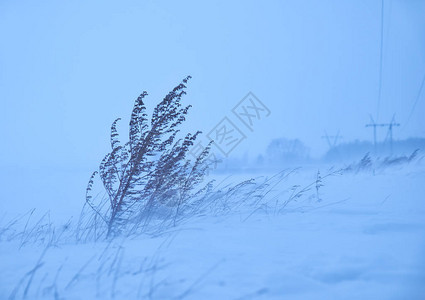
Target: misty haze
pixel 212 150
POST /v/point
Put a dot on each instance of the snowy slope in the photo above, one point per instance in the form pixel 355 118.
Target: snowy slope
pixel 364 239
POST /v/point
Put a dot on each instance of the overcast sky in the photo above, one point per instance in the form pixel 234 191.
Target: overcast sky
pixel 69 68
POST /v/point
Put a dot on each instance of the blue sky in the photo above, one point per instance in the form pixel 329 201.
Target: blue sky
pixel 69 68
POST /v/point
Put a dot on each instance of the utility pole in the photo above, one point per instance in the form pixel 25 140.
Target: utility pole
pixel 374 125
pixel 390 131
pixel 335 138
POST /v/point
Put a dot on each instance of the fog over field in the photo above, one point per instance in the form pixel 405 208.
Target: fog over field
pixel 304 183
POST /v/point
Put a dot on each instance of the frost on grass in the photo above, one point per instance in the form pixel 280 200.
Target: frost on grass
pixel 149 173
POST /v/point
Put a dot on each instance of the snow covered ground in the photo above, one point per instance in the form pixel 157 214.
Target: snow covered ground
pixel 361 237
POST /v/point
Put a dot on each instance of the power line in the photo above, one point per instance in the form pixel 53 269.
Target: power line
pixel 380 59
pixel 416 101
